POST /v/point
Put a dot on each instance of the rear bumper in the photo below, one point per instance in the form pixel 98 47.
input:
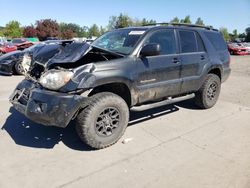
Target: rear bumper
pixel 45 107
pixel 225 74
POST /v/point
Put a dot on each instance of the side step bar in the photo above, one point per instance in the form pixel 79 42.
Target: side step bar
pixel 162 103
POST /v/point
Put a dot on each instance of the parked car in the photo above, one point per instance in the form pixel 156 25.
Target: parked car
pixel 237 49
pixel 18 62
pixel 247 46
pixel 97 84
pixel 21 43
pixel 6 48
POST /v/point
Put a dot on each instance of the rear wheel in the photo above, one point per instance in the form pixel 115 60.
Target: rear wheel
pixel 209 92
pixel 103 122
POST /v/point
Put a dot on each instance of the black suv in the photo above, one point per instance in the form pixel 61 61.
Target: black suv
pixel 97 84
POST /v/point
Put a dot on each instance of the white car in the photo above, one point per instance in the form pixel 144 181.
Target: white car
pixel 247 46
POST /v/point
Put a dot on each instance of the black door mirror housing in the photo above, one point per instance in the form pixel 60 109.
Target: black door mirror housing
pixel 150 49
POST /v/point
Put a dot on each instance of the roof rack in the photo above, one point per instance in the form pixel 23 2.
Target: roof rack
pixel 181 24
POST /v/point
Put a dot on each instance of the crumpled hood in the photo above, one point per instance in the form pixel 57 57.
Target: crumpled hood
pixel 70 53
pixel 45 52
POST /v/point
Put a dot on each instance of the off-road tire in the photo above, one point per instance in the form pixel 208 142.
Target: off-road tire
pixel 18 68
pixel 202 96
pixel 86 120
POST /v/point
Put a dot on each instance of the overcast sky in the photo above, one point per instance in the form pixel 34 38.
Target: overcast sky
pixel 233 14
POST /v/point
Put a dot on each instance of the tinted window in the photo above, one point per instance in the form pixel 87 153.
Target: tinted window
pixel 217 40
pixel 200 44
pixel 188 42
pixel 166 39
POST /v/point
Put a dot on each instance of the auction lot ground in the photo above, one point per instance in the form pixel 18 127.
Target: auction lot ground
pixel 173 145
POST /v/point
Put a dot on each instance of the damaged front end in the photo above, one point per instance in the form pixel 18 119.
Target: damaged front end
pixel 54 91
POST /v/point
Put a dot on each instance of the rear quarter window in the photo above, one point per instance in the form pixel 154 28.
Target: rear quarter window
pixel 216 40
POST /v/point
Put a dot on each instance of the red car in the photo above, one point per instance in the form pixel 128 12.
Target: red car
pixel 235 49
pixel 7 47
pixel 21 43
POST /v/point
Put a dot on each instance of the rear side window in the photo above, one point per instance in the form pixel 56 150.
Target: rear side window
pixel 217 40
pixel 200 43
pixel 166 39
pixel 188 41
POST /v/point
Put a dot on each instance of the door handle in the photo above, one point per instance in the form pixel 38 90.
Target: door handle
pixel 176 60
pixel 202 57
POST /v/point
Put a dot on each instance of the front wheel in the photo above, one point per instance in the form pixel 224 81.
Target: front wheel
pixel 18 68
pixel 208 94
pixel 103 122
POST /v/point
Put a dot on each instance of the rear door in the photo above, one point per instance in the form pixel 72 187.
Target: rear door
pixel 193 57
pixel 159 76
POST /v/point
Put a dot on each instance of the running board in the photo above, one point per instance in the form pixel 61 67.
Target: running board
pixel 162 103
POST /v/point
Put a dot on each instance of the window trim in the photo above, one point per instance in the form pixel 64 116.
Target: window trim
pixel 142 44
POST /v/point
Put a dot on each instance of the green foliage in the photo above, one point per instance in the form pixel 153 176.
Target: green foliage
pixel 122 21
pixel 247 39
pixel 199 21
pixel 13 29
pixel 147 22
pixel 186 20
pixel 93 31
pixel 225 33
pixel 175 20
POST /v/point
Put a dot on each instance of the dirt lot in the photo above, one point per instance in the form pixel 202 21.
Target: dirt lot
pixel 173 145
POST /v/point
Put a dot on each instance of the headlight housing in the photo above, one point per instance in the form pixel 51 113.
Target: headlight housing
pixel 55 79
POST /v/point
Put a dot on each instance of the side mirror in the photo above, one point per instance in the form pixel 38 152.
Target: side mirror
pixel 150 49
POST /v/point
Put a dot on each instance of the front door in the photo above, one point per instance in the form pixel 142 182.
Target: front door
pixel 159 76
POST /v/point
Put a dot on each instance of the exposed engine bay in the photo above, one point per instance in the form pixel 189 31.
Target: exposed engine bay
pixel 71 56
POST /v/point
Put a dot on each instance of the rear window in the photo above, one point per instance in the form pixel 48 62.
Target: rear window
pixel 217 40
pixel 188 41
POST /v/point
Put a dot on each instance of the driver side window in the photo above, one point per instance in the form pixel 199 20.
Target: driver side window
pixel 166 39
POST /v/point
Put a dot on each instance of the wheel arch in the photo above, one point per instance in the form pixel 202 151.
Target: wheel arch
pixel 119 88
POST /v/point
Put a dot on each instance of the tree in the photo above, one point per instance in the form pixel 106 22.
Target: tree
pixel 112 23
pixel 186 20
pixel 175 20
pixel 47 28
pixel 234 35
pixel 225 33
pixel 13 29
pixel 247 39
pixel 83 32
pixel 102 30
pixel 93 31
pixel 199 21
pixel 29 31
pixel 68 34
pixel 1 31
pixel 123 21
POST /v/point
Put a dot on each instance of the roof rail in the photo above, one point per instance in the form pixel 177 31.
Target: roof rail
pixel 181 24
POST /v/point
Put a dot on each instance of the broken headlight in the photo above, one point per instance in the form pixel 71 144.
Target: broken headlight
pixel 55 79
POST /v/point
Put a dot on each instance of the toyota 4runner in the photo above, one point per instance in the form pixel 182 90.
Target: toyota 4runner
pixel 97 84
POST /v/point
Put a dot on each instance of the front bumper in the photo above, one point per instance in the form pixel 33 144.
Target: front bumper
pixel 43 106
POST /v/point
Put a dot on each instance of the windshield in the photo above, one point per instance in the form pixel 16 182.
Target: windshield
pixel 120 41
